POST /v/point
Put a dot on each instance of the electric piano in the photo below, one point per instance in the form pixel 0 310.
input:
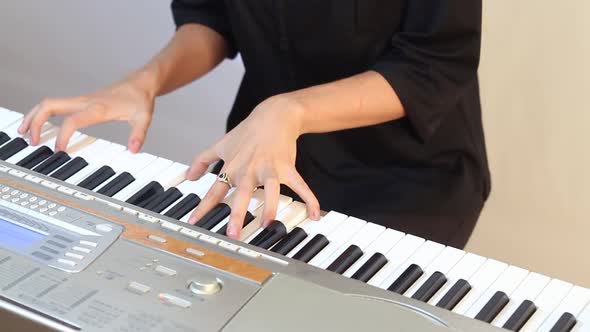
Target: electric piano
pixel 95 239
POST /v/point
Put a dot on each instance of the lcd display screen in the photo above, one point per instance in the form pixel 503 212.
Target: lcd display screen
pixel 17 237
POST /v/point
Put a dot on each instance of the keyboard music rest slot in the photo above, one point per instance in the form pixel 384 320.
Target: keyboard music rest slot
pixel 184 206
pixel 454 295
pixel 312 248
pixel 214 216
pixel 163 200
pixel 69 169
pixel 116 184
pixel 95 179
pixel 52 163
pixel 11 148
pixel 290 241
pixel 370 268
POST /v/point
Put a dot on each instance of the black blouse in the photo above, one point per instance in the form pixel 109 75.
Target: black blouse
pixel 426 173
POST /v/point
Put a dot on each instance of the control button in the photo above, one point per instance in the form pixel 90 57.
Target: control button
pixel 66 190
pixel 14 192
pixel 24 195
pixel 61 209
pixel 204 287
pixel 190 232
pixel 156 238
pixel 52 213
pixel 4 169
pixel 130 211
pixel 274 259
pixel 33 207
pixel 33 179
pixel 114 206
pixel 24 203
pixel 17 173
pixel 165 271
pixel 208 239
pixel 148 218
pixel 43 209
pixel 248 253
pixel 51 205
pixel 42 202
pixel 63 238
pixel 41 255
pixel 50 185
pixel 138 288
pixel 228 246
pixel 88 243
pixel 105 228
pixel 170 226
pixel 66 262
pixel 174 300
pixel 83 196
pixel 14 200
pixel 33 199
pixel 80 249
pixel 5 189
pixel 195 252
pixel 5 196
pixel 57 244
pixel 72 255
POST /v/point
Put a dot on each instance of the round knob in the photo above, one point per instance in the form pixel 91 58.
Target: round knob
pixel 204 287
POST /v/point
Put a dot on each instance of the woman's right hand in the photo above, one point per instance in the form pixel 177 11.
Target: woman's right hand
pixel 125 101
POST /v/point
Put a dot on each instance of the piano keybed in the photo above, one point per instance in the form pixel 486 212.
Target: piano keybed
pixel 464 283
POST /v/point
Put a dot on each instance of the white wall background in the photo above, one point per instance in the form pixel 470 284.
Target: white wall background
pixel 535 82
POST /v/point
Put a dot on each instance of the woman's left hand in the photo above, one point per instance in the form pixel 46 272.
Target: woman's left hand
pixel 260 151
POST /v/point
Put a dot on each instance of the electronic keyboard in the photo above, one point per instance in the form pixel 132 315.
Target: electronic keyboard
pixel 95 239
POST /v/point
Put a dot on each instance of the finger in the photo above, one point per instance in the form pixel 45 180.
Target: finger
pixel 201 163
pixel 215 195
pixel 82 119
pixel 239 207
pixel 46 109
pixel 296 182
pixel 272 189
pixel 26 122
pixel 139 127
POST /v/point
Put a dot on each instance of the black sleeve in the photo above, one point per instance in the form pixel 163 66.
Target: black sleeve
pixel 210 13
pixel 433 58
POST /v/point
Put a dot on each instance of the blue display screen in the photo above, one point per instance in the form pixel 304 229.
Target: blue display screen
pixel 16 237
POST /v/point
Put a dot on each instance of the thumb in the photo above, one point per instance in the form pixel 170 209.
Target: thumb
pixel 139 127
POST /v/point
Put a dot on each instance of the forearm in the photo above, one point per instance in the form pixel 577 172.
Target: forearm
pixel 193 51
pixel 361 100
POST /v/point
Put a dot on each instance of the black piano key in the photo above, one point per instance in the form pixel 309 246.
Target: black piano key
pixel 493 307
pixel 290 241
pixel 183 207
pixel 3 138
pixel 565 323
pixel 164 200
pixel 214 216
pixel 247 220
pixel 270 235
pixel 72 167
pixel 52 163
pixel 454 295
pixel 311 248
pixel 97 178
pixel 117 184
pixel 36 157
pixel 406 279
pixel 520 316
pixel 144 194
pixel 13 147
pixel 370 268
pixel 430 287
pixel 346 259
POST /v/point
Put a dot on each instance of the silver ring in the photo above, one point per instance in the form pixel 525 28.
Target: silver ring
pixel 223 177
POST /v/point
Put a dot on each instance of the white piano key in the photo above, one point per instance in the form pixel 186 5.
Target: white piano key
pixel 480 282
pixel 574 302
pixel 546 302
pixel 12 130
pixel 225 200
pixel 507 283
pixel 338 238
pixel 199 187
pixel 174 176
pixel 405 248
pixel 143 177
pixel 8 118
pixel 102 156
pixel 583 323
pixel 249 232
pixel 386 240
pixel 443 264
pixel 48 133
pixel 292 215
pixel 422 257
pixel 326 225
pixel 529 289
pixel 464 269
pixel 362 239
pixel 96 146
pixel 130 163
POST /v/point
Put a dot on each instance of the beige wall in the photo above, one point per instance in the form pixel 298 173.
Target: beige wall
pixel 535 87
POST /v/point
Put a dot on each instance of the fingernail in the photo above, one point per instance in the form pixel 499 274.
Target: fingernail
pixel 315 215
pixel 192 220
pixel 232 231
pixel 134 145
pixel 20 129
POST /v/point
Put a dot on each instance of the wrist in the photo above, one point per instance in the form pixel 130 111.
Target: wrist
pixel 147 81
pixel 296 111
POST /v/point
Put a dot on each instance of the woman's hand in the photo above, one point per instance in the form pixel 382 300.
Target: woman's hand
pixel 260 151
pixel 124 101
